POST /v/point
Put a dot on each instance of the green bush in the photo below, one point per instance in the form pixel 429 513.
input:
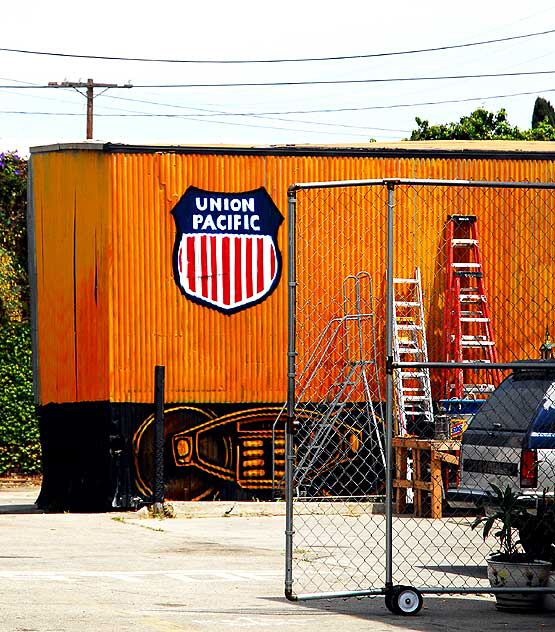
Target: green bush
pixel 19 432
pixel 482 125
pixel 19 429
pixel 13 206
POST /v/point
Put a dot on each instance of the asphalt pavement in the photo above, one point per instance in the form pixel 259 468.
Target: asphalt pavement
pixel 216 566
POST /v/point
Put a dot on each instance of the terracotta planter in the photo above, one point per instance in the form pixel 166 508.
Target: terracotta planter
pixel 522 575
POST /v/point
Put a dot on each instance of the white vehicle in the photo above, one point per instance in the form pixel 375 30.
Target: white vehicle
pixel 510 441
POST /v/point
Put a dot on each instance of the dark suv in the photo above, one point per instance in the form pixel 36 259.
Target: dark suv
pixel 510 441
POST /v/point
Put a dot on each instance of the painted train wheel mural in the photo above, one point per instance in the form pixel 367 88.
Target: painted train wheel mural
pixel 210 457
pixel 241 455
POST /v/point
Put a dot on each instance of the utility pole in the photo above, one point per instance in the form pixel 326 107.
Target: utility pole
pixel 90 85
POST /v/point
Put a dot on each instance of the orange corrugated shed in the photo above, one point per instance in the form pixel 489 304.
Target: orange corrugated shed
pixel 71 205
pixel 109 310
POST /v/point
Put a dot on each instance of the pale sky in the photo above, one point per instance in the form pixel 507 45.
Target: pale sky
pixel 248 30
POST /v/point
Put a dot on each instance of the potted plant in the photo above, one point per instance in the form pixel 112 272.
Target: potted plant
pixel 537 535
pixel 536 531
pixel 520 560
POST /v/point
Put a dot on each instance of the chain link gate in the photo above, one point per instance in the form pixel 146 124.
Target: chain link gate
pixel 418 308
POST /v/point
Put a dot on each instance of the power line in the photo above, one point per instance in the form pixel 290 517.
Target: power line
pixel 196 117
pixel 215 113
pixel 44 113
pixel 193 118
pixel 369 107
pixel 312 83
pixel 342 81
pixel 211 113
pixel 276 61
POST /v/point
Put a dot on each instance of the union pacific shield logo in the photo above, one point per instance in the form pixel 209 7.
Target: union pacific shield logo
pixel 226 254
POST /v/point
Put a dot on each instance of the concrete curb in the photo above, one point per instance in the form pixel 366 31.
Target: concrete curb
pixel 229 509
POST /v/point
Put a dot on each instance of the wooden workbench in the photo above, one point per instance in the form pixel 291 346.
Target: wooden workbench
pixel 423 451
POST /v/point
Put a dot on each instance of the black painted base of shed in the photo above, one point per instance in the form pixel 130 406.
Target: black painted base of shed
pixel 87 458
pixel 98 456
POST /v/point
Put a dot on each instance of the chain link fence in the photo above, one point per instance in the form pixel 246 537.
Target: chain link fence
pixel 420 323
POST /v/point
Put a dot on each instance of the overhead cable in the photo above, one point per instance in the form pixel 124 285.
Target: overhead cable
pixel 276 61
pixel 313 83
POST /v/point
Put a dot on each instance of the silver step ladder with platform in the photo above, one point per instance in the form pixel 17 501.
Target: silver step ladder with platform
pixel 413 393
pixel 354 333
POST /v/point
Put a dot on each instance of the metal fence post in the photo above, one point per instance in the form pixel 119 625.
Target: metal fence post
pixel 289 430
pixel 159 375
pixel 389 390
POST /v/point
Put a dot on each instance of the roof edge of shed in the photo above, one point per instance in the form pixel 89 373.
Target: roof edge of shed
pixel 538 150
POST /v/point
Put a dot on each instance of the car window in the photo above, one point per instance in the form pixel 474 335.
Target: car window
pixel 512 407
pixel 545 417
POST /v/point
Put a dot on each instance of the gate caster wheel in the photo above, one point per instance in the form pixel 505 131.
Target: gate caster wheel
pixel 404 600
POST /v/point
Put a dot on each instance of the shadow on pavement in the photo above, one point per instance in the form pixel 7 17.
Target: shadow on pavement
pixel 445 613
pixel 479 572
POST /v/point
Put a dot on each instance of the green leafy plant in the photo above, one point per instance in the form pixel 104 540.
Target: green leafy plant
pixel 13 205
pixel 536 531
pixel 19 428
pixel 507 515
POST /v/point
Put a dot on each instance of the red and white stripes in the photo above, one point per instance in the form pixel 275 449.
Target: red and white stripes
pixel 228 271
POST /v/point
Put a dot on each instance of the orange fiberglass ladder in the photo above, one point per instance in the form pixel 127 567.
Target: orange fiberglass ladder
pixel 468 335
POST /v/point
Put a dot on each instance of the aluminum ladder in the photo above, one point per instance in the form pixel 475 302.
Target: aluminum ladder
pixel 355 334
pixel 413 393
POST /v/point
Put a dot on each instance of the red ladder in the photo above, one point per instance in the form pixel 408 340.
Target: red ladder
pixel 468 335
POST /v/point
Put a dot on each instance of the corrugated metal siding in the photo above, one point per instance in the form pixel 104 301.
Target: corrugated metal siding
pixel 516 239
pixel 212 357
pixel 516 232
pixel 209 356
pixel 71 204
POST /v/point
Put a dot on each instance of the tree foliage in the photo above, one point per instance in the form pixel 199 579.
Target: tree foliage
pixel 481 125
pixel 13 206
pixel 13 238
pixel 543 113
pixel 19 435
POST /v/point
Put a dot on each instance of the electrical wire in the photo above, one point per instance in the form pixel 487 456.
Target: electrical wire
pixel 334 110
pixel 343 81
pixel 277 61
pixel 399 105
pixel 211 114
pixel 308 83
pixel 193 118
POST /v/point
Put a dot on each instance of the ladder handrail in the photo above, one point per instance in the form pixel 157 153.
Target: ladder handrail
pixel 356 361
